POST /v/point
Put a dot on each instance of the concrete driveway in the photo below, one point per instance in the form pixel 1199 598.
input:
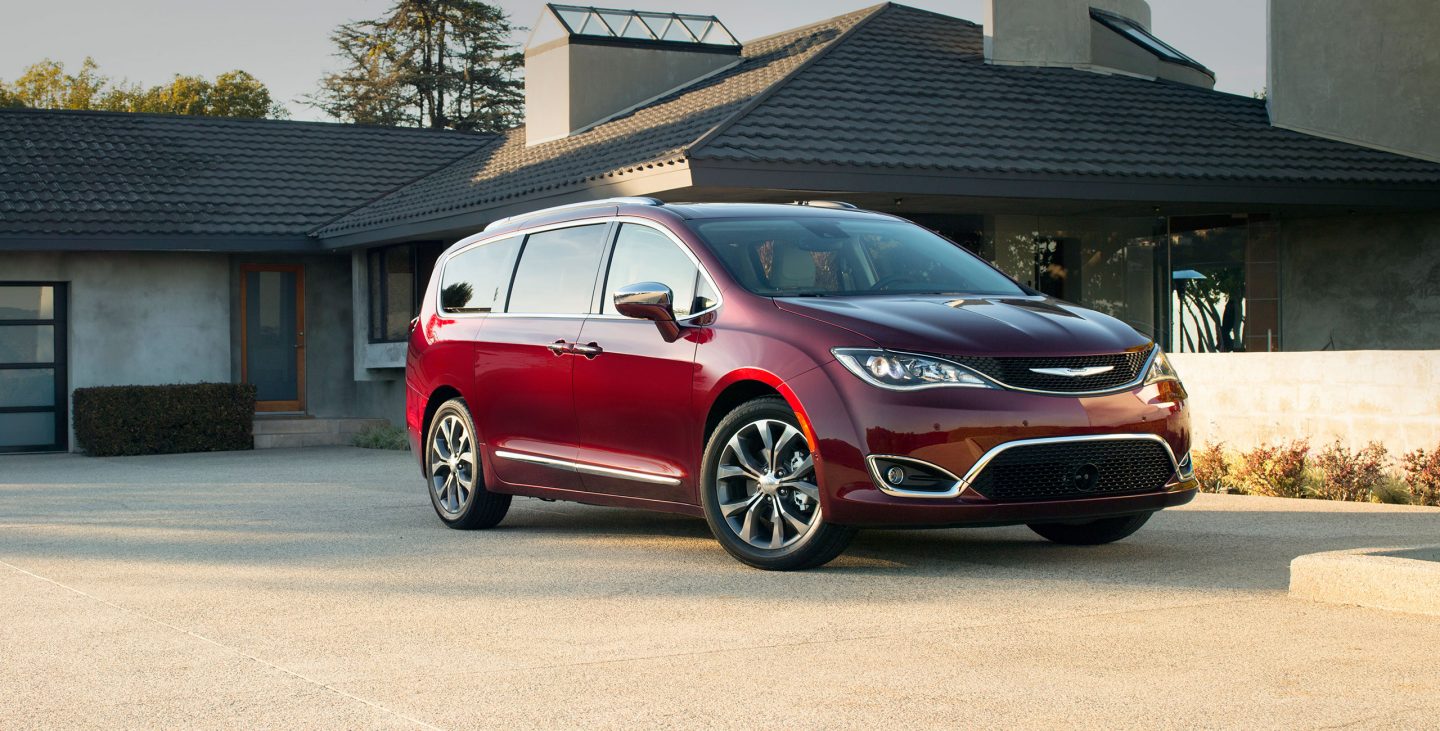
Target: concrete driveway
pixel 314 588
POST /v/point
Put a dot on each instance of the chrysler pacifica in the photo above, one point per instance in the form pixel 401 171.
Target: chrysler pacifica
pixel 791 373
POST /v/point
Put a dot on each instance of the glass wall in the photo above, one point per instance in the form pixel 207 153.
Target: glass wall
pixel 1181 281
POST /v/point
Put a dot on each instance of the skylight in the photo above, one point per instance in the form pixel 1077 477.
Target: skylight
pixel 1137 34
pixel 580 20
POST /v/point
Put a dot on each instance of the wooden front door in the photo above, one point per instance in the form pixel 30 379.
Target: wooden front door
pixel 272 334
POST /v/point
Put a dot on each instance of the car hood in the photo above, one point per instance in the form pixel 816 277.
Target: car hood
pixel 972 325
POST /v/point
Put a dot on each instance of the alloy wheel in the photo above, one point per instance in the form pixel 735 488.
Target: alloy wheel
pixel 452 465
pixel 765 485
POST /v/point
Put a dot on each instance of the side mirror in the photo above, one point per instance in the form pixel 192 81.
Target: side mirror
pixel 649 301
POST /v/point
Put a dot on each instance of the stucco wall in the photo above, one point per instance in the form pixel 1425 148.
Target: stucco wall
pixel 571 84
pixel 138 318
pixel 1364 72
pixel 1357 282
pixel 1245 399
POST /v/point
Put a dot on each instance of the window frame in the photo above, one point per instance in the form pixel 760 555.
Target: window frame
pixel 607 238
pixel 602 294
pixel 486 237
pixel 376 259
pixel 59 365
pixel 1142 37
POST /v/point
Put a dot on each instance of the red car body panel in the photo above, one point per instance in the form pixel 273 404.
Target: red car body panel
pixel 643 404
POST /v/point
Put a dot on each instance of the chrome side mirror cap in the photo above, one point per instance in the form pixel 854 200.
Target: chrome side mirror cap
pixel 649 301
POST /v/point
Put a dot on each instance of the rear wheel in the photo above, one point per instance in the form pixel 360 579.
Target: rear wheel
pixel 1095 532
pixel 760 493
pixel 457 484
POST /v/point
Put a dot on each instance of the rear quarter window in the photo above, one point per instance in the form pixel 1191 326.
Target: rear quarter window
pixel 475 280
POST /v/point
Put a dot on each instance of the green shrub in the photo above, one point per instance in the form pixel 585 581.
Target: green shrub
pixel 190 417
pixel 381 436
pixel 1391 490
pixel 1350 475
pixel 1278 470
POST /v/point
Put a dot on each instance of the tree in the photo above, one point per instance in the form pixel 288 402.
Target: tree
pixel 426 63
pixel 45 85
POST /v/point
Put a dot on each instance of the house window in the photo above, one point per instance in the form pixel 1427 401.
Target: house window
pixel 398 277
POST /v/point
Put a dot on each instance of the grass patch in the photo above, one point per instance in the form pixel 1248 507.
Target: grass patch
pixel 382 436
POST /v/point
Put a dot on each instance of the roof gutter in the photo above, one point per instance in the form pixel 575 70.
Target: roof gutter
pixel 198 242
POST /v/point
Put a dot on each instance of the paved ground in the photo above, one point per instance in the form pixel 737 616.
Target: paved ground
pixel 314 588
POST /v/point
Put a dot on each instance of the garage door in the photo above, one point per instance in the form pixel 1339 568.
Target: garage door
pixel 32 367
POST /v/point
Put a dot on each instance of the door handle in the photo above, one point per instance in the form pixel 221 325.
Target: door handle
pixel 559 347
pixel 589 350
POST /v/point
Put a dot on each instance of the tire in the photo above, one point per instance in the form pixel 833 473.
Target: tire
pixel 450 452
pixel 781 509
pixel 1094 533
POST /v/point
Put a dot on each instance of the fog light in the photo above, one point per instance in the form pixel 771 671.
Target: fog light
pixel 895 475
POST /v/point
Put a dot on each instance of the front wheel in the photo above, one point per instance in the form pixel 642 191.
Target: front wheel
pixel 452 469
pixel 760 493
pixel 1095 532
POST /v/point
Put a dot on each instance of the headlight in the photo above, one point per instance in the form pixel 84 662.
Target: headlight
pixel 906 371
pixel 1160 369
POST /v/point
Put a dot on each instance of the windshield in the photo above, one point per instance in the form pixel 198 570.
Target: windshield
pixel 817 257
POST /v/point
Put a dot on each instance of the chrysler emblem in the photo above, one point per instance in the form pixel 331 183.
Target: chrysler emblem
pixel 1074 372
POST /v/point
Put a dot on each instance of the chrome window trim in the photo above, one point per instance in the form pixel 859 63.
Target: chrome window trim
pixel 985 459
pixel 588 469
pixel 957 487
pixel 483 238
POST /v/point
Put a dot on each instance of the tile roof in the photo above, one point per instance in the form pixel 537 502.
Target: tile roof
pixel 910 90
pixel 89 174
pixel 893 87
pixel 654 135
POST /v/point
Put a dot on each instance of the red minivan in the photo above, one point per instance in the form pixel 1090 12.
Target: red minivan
pixel 789 372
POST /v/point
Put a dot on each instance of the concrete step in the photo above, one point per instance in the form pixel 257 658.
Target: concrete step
pixel 281 432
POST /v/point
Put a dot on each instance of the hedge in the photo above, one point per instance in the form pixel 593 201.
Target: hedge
pixel 188 417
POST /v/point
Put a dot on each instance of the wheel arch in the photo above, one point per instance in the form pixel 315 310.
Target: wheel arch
pixel 438 396
pixel 747 385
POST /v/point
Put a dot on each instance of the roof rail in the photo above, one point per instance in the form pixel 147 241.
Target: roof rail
pixel 618 201
pixel 827 204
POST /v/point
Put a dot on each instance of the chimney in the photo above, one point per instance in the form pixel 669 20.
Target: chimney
pixel 584 65
pixel 1101 35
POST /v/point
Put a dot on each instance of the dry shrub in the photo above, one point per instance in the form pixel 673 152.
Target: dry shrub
pixel 1350 475
pixel 1277 470
pixel 1422 471
pixel 1212 468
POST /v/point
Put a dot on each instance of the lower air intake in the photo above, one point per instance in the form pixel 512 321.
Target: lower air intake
pixel 1075 469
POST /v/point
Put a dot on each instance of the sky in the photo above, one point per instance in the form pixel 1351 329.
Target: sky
pixel 285 43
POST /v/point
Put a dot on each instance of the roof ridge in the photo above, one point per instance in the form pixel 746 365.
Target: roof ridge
pixel 499 139
pixel 868 14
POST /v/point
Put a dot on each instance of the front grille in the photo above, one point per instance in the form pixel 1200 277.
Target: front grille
pixel 1017 373
pixel 1077 468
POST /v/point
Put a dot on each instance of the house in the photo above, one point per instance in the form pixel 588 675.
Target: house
pixel 1062 140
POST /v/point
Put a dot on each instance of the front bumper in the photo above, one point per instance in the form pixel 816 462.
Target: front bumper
pixel 955 429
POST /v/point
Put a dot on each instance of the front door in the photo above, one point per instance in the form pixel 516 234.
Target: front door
pixel 272 335
pixel 632 388
pixel 33 394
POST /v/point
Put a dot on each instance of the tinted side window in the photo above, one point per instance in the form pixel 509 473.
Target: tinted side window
pixel 557 271
pixel 474 280
pixel 643 254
